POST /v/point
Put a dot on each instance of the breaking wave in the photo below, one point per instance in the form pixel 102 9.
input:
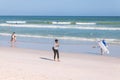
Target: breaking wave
pixel 60 26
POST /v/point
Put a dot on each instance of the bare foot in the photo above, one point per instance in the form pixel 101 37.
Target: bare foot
pixel 58 60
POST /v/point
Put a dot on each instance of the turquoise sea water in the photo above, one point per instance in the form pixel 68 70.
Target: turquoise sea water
pixel 64 27
pixel 40 31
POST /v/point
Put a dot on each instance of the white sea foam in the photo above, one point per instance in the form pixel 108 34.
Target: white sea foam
pixel 61 22
pixel 58 26
pixel 64 37
pixel 5 34
pixel 16 22
pixel 98 28
pixel 83 23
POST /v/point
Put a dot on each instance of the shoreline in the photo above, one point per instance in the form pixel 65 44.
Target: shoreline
pixel 78 47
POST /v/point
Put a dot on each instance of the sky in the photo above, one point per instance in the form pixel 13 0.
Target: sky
pixel 60 7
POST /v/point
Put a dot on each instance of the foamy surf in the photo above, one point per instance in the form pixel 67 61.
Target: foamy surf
pixel 16 22
pixel 65 23
pixel 80 23
pixel 59 26
pixel 63 38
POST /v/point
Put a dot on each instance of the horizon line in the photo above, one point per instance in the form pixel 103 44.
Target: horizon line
pixel 67 15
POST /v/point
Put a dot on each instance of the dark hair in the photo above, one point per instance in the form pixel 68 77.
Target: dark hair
pixel 56 40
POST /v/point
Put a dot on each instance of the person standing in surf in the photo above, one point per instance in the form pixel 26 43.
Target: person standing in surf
pixel 13 39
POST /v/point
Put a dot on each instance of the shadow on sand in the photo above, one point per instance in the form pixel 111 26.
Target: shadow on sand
pixel 46 59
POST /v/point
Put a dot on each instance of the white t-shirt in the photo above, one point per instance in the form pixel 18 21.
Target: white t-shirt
pixel 56 46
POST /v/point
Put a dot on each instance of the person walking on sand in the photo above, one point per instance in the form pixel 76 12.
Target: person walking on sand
pixel 55 50
pixel 13 39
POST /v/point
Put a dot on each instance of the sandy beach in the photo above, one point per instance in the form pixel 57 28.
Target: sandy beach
pixel 27 64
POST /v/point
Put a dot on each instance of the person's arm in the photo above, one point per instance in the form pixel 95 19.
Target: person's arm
pixel 57 45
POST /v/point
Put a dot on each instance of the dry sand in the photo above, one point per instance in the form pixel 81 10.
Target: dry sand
pixel 26 64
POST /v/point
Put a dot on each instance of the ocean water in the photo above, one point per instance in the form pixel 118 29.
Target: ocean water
pixel 69 29
pixel 63 27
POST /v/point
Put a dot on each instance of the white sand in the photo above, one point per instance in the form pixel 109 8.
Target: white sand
pixel 26 64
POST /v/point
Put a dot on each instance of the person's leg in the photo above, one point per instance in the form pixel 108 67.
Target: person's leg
pixel 57 52
pixel 54 54
pixel 101 51
pixel 12 43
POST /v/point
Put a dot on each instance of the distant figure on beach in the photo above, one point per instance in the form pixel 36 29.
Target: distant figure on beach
pixel 103 46
pixel 13 39
pixel 55 50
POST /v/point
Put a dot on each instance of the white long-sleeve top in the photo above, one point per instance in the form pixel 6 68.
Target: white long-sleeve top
pixel 56 46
